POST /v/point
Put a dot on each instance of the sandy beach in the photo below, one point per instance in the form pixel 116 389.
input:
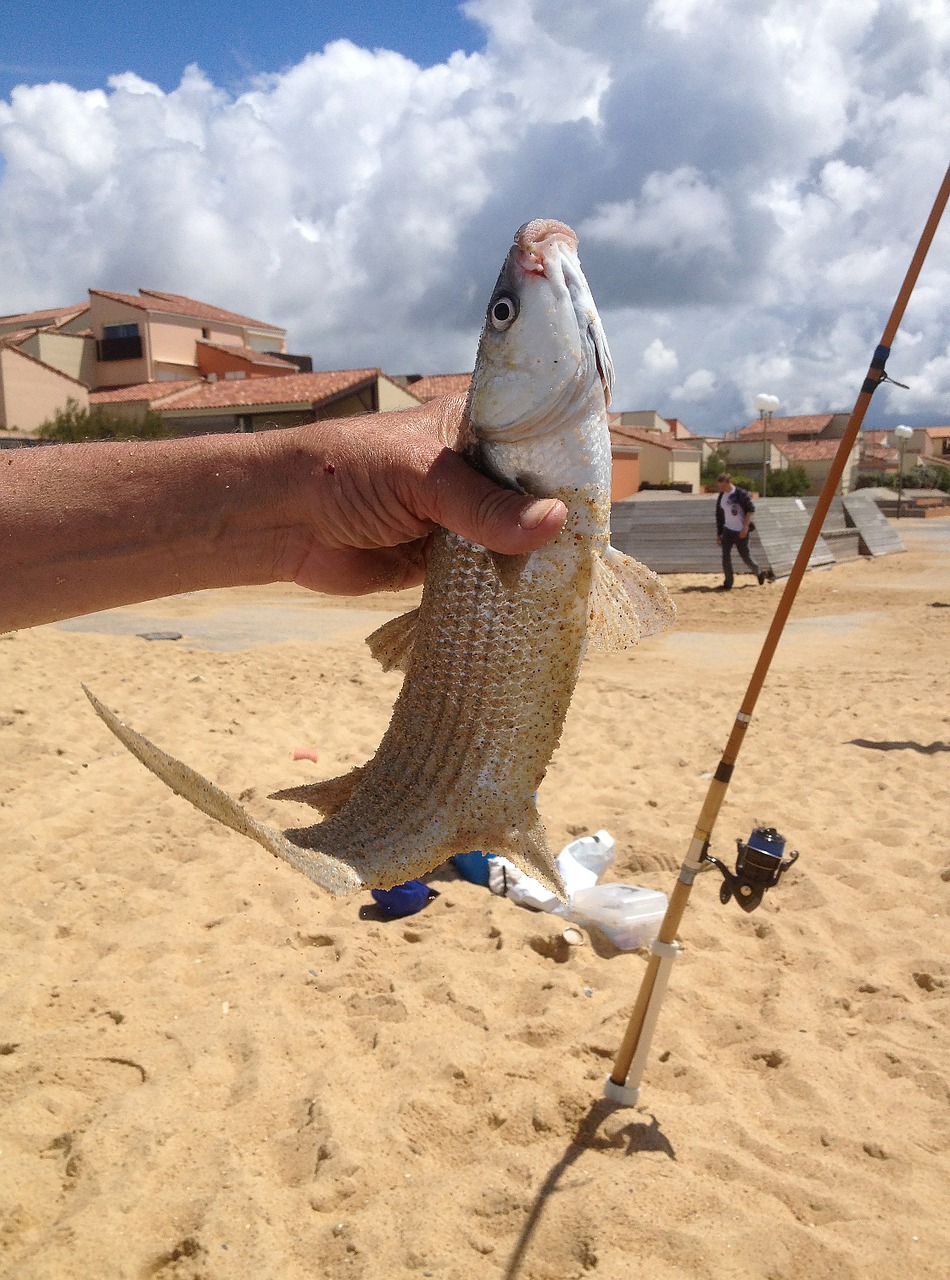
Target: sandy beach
pixel 209 1069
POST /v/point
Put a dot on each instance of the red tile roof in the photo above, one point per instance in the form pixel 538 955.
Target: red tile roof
pixel 640 435
pixel 808 423
pixel 680 430
pixel 876 454
pixel 440 384
pixel 808 450
pixel 303 389
pixel 53 316
pixel 16 336
pixel 177 304
pixel 149 392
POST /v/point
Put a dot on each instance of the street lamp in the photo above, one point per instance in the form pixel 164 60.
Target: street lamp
pixel 903 434
pixel 766 406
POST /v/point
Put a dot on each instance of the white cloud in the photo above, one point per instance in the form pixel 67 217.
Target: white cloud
pixel 677 214
pixel 698 386
pixel 749 182
pixel 659 359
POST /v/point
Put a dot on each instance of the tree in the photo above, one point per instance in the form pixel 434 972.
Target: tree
pixel 716 464
pixel 72 424
pixel 790 483
pixel 713 467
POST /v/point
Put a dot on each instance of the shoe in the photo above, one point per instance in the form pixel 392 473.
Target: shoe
pixel 726 586
pixel 762 575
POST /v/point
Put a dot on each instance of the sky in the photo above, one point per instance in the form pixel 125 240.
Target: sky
pixel 748 179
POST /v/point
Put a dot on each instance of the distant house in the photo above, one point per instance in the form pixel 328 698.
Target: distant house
pixel 434 385
pixel 198 406
pixel 926 446
pixel 808 440
pixel 118 340
pixel 665 452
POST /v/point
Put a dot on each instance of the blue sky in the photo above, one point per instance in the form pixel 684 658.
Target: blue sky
pixel 83 43
pixel 748 179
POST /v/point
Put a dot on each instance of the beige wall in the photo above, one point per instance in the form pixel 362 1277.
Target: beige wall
pixel 669 466
pixel 647 418
pixel 685 467
pixel 67 352
pixel 119 373
pixel 30 393
pixel 747 454
pixel 392 396
pixel 817 472
pixel 261 340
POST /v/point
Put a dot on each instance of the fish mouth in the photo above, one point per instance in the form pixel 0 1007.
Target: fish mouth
pixel 533 241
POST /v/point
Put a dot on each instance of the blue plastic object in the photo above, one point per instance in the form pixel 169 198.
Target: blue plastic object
pixel 473 866
pixel 403 899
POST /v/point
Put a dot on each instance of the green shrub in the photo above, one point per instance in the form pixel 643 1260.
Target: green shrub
pixel 73 424
pixel 793 482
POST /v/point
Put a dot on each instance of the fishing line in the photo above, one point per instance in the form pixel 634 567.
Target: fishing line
pixel 623 1083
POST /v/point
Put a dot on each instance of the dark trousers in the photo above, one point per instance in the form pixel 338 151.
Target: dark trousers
pixel 730 539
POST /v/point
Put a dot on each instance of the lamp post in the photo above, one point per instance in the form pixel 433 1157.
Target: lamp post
pixel 903 434
pixel 766 406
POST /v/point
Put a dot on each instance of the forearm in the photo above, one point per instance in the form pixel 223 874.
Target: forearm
pixel 337 506
pixel 91 526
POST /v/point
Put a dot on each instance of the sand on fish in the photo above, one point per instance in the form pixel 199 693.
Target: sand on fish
pixel 209 1069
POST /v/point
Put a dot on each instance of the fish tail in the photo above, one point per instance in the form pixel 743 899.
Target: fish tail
pixel 328 872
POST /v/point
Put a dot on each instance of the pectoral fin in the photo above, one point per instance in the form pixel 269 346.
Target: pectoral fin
pixel 628 602
pixel 391 644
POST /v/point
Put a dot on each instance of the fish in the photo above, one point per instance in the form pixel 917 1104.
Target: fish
pixel 492 654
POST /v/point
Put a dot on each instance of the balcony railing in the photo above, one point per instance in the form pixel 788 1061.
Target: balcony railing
pixel 119 348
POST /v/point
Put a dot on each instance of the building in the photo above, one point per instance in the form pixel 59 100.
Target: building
pixel 118 340
pixel 650 451
pixel 808 440
pixel 196 407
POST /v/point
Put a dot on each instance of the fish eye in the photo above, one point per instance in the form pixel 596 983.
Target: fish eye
pixel 503 311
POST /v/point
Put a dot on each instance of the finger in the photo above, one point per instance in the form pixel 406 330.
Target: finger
pixel 356 571
pixel 473 506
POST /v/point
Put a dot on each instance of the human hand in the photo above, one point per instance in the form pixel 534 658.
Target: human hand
pixel 366 495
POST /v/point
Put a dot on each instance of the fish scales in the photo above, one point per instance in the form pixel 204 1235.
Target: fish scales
pixel 493 653
pixel 472 729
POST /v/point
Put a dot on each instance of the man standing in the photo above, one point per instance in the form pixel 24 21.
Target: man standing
pixel 734 508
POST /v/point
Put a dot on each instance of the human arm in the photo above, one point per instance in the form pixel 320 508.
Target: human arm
pixel 340 506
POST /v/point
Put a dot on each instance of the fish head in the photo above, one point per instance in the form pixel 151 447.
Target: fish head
pixel 543 360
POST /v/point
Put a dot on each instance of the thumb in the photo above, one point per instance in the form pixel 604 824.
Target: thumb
pixel 474 506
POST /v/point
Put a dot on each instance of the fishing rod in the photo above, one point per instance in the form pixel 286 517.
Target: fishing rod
pixel 760 862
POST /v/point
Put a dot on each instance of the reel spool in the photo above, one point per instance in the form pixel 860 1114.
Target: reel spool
pixel 760 865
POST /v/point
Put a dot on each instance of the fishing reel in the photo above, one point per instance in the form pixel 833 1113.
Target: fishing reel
pixel 759 866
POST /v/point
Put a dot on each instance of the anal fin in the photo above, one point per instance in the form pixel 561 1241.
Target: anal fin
pixel 628 602
pixel 328 796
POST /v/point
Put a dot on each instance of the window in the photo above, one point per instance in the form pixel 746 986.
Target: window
pixel 120 342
